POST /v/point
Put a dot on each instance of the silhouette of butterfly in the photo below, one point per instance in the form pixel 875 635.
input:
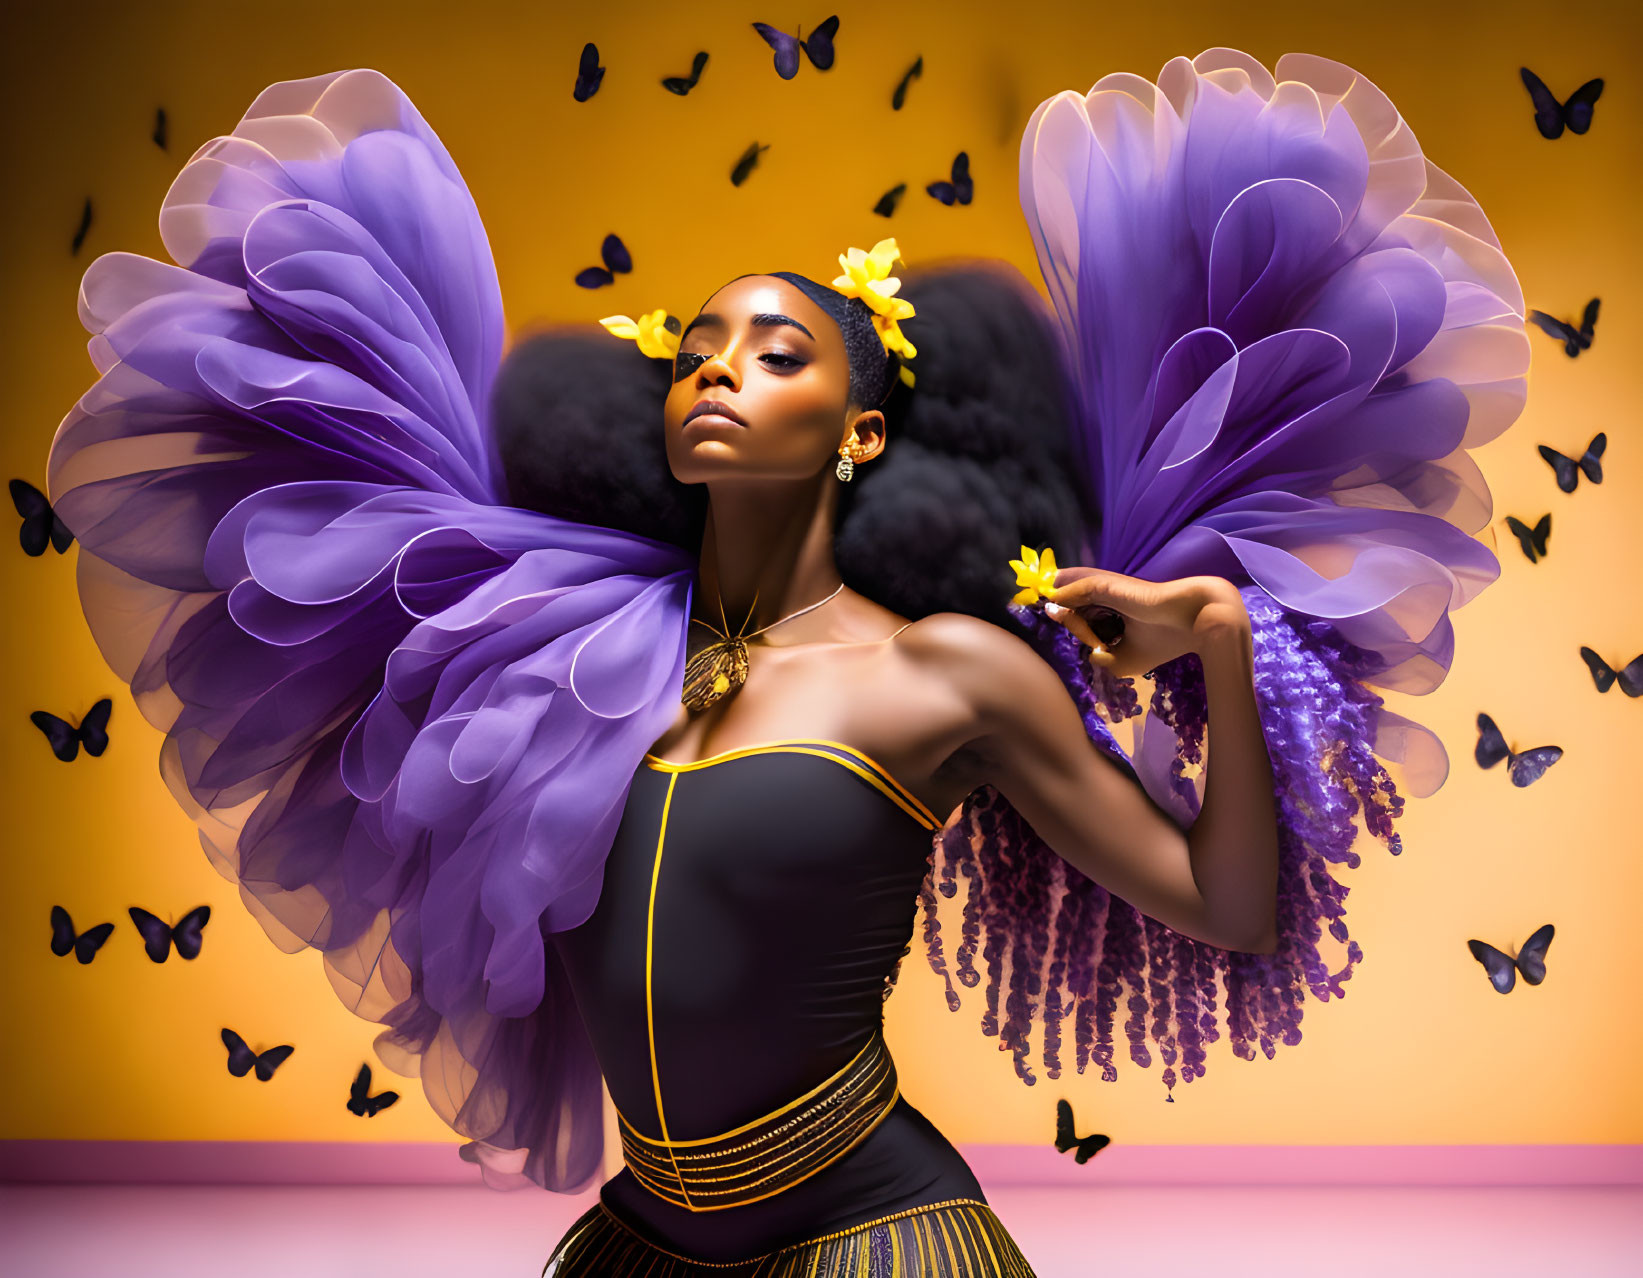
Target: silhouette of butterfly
pixel 159 127
pixel 85 945
pixel 888 201
pixel 1503 969
pixel 960 188
pixel 899 97
pixel 41 526
pixel 1524 768
pixel 683 84
pixel 158 935
pixel 1569 470
pixel 66 739
pixel 241 1058
pixel 748 162
pixel 617 262
pixel 361 1102
pixel 80 231
pixel 1531 540
pixel 817 46
pixel 1630 675
pixel 1551 116
pixel 588 73
pixel 1574 339
pixel 1084 1147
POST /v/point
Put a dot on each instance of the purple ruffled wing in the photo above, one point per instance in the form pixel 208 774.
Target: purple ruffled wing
pixel 403 714
pixel 1286 328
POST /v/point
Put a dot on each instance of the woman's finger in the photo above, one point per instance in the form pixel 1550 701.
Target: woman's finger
pixel 1075 623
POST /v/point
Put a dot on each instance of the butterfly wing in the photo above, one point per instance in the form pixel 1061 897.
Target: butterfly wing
pixel 1603 674
pixel 188 935
pixel 786 47
pixel 1531 959
pixel 419 687
pixel 62 932
pixel 39 522
pixel 1090 1146
pixel 963 187
pixel 1064 1138
pixel 65 741
pixel 818 45
pixel 1502 970
pixel 1491 747
pixel 615 254
pixel 1530 766
pixel 240 1056
pixel 1564 467
pixel 1554 327
pixel 1588 323
pixel 93 729
pixel 589 74
pixel 1577 110
pixel 1591 461
pixel 1631 677
pixel 156 933
pixel 1548 110
pixel 269 1061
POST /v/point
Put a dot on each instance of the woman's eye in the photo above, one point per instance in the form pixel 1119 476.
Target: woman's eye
pixel 787 360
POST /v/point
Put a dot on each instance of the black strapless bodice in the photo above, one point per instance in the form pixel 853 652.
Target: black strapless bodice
pixel 753 905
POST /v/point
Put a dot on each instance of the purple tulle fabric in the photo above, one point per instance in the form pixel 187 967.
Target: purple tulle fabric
pixel 1285 327
pixel 404 715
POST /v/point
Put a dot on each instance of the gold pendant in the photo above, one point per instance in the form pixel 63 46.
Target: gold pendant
pixel 713 672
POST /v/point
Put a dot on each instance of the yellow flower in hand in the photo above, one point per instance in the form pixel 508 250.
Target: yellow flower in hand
pixel 651 330
pixel 1035 573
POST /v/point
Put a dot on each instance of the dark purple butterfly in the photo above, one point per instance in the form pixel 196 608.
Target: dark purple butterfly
pixel 361 1102
pixel 960 188
pixel 1525 768
pixel 683 84
pixel 817 46
pixel 159 127
pixel 1084 1147
pixel 1569 470
pixel 1532 541
pixel 1629 676
pixel 80 231
pixel 588 73
pixel 66 739
pixel 41 526
pixel 85 945
pixel 617 262
pixel 242 1059
pixel 1551 115
pixel 159 936
pixel 1574 339
pixel 888 201
pixel 1504 970
pixel 748 162
pixel 899 97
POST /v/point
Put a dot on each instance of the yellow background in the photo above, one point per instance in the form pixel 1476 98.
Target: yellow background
pixel 1422 1049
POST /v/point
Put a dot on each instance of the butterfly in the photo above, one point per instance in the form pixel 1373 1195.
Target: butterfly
pixel 1532 540
pixel 1574 339
pixel 80 231
pixel 817 46
pixel 159 127
pixel 899 97
pixel 85 945
pixel 617 262
pixel 960 188
pixel 1604 675
pixel 359 1099
pixel 1503 969
pixel 1524 768
pixel 1569 470
pixel 682 84
pixel 41 526
pixel 66 740
pixel 588 73
pixel 1551 116
pixel 1086 1147
pixel 888 201
pixel 158 935
pixel 241 1058
pixel 746 165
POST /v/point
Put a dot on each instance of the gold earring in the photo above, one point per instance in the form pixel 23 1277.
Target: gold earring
pixel 847 462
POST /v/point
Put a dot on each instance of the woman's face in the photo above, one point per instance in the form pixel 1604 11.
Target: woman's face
pixel 776 360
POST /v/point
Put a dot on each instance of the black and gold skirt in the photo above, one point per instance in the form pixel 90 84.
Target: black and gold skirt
pixel 960 1238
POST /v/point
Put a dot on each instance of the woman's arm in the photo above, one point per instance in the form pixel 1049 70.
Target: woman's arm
pixel 1217 881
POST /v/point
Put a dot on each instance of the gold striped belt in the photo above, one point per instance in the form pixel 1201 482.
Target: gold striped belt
pixel 762 1158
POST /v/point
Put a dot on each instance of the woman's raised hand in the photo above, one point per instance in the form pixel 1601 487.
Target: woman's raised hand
pixel 1157 621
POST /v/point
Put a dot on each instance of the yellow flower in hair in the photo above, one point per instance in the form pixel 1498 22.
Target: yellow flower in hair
pixel 867 276
pixel 1035 573
pixel 651 330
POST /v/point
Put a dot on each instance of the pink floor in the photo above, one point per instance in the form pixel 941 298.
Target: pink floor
pixel 279 1231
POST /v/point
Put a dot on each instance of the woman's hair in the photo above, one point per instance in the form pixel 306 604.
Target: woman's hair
pixel 975 465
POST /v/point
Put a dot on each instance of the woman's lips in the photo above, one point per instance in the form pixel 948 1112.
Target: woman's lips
pixel 710 408
pixel 714 420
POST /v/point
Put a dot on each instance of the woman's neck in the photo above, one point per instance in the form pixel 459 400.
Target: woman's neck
pixel 773 538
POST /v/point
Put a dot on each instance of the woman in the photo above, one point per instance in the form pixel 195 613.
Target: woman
pixel 439 736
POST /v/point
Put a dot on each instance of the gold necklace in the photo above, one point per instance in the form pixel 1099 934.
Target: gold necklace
pixel 721 666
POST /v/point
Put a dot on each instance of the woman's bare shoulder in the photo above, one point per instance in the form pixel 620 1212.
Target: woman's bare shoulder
pixel 985 662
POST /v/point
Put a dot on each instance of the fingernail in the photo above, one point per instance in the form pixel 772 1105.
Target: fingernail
pixel 1055 610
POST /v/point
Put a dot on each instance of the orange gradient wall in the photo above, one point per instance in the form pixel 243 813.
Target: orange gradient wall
pixel 1421 1051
